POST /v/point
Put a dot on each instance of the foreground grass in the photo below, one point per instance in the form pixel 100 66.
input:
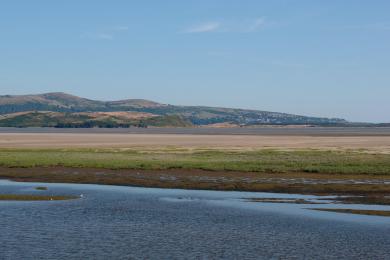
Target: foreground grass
pixel 26 197
pixel 262 161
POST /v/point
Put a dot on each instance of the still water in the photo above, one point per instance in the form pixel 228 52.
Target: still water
pixel 110 222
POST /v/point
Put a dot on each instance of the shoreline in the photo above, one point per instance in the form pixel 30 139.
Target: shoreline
pixel 289 183
pixel 311 172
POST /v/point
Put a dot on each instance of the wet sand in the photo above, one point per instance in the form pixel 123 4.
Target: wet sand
pixel 374 187
pixel 374 143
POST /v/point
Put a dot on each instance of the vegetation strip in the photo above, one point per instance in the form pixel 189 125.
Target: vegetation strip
pixel 301 172
pixel 196 179
pixel 26 197
pixel 383 213
pixel 367 200
pixel 261 161
pixel 41 188
pixel 282 200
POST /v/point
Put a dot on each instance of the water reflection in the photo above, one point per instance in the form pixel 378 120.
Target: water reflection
pixel 125 222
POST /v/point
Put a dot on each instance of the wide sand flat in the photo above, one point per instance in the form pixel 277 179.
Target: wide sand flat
pixel 106 140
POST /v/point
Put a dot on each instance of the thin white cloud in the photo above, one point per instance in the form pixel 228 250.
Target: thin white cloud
pixel 204 27
pixel 104 36
pixel 108 33
pixel 120 28
pixel 98 36
pixel 256 24
pixel 243 26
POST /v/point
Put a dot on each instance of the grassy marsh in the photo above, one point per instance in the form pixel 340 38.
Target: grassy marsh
pixel 298 171
pixel 263 161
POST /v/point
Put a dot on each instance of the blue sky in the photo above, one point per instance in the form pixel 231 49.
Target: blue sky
pixel 323 58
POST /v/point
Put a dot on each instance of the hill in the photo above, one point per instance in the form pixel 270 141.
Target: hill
pixel 90 119
pixel 61 109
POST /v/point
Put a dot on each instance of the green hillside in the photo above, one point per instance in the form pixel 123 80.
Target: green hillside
pixel 87 120
pixel 167 114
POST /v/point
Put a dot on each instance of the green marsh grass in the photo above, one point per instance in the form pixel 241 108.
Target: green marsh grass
pixel 265 161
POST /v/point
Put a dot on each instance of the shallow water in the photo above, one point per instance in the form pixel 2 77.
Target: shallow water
pixel 125 222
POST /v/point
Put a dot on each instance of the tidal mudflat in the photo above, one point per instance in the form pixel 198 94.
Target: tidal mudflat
pixel 129 222
pixel 375 140
pixel 31 197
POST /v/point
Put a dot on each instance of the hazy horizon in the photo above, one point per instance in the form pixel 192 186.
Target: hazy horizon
pixel 327 59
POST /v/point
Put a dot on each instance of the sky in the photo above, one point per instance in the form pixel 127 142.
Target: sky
pixel 326 58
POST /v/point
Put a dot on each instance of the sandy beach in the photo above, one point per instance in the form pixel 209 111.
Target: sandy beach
pixel 380 144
